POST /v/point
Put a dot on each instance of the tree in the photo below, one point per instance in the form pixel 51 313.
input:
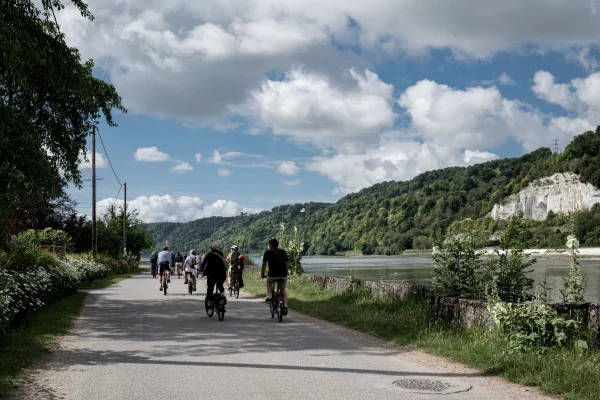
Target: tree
pixel 49 104
pixel 110 233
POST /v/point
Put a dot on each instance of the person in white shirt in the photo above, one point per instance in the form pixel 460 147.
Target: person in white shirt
pixel 164 263
pixel 191 267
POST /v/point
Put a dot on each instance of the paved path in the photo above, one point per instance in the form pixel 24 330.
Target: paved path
pixel 132 342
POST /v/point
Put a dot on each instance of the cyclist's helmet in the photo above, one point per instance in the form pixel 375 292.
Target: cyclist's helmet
pixel 234 248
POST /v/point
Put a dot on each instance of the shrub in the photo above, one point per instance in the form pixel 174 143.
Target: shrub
pixel 574 284
pixel 27 287
pixel 36 238
pixel 534 324
pixel 458 267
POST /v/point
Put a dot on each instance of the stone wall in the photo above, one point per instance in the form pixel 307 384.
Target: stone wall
pixel 396 290
pixel 471 312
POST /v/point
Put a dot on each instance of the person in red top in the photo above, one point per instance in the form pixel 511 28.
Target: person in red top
pixel 277 260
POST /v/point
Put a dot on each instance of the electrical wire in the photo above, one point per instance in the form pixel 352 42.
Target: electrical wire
pixel 109 163
pixel 117 198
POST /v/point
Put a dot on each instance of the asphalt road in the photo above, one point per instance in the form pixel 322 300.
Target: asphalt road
pixel 132 342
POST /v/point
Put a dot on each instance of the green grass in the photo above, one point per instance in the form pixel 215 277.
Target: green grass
pixel 111 279
pixel 559 371
pixel 20 348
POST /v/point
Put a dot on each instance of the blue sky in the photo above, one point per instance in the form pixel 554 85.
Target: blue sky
pixel 324 99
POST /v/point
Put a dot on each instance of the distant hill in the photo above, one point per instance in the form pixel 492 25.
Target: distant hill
pixel 391 217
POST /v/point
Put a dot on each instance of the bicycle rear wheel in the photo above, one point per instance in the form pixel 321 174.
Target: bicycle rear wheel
pixel 279 311
pixel 210 310
pixel 272 309
pixel 237 289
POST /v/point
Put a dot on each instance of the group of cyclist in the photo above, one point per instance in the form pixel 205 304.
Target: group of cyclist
pixel 217 268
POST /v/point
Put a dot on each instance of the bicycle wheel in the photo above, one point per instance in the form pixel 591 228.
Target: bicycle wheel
pixel 190 289
pixel 165 288
pixel 279 311
pixel 237 289
pixel 272 309
pixel 230 291
pixel 210 310
pixel 221 314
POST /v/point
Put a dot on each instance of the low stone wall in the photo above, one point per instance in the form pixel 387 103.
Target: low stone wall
pixel 470 312
pixel 396 290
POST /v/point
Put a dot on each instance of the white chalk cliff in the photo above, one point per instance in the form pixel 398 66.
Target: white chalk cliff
pixel 559 193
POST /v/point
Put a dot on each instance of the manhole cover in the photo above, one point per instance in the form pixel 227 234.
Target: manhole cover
pixel 423 384
pixel 431 386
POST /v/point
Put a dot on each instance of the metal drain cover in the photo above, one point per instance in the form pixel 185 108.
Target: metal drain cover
pixel 430 386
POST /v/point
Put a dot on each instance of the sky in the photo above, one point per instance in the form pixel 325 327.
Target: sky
pixel 242 105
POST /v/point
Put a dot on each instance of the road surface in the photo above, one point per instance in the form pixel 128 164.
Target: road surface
pixel 132 342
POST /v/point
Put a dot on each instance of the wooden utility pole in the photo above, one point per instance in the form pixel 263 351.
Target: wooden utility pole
pixel 125 219
pixel 94 238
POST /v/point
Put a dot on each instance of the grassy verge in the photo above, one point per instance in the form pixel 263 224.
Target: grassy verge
pixel 111 279
pixel 21 347
pixel 558 371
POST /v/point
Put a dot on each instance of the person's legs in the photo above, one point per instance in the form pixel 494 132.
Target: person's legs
pixel 194 280
pixel 210 286
pixel 269 289
pixel 229 277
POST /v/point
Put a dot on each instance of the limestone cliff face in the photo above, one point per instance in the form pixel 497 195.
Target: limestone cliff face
pixel 561 193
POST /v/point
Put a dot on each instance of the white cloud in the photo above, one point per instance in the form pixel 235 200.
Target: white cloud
pixel 504 79
pixel 391 160
pixel 310 108
pixel 100 160
pixel 583 57
pixel 224 172
pixel 150 154
pixel 288 168
pixel 291 183
pixel 198 157
pixel 182 209
pixel 195 60
pixel 182 166
pixel 451 127
pixel 221 158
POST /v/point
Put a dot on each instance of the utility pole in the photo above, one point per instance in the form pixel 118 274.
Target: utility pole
pixel 94 236
pixel 125 219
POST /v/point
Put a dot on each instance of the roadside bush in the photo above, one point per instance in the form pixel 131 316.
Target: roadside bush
pixel 22 257
pixel 26 288
pixel 35 238
pixel 458 267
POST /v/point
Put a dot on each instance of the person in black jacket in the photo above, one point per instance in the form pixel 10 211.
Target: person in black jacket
pixel 215 267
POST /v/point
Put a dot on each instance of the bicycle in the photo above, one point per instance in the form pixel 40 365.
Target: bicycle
pixel 190 282
pixel 179 269
pixel 276 303
pixel 234 288
pixel 165 279
pixel 216 304
pixel 154 269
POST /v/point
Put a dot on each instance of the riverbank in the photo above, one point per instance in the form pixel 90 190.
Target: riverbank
pixel 558 371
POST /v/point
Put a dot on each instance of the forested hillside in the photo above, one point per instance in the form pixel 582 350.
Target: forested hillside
pixel 391 217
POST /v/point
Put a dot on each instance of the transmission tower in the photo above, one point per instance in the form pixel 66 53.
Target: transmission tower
pixel 555 146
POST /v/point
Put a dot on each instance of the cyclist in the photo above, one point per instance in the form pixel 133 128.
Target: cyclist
pixel 178 262
pixel 215 267
pixel 191 268
pixel 154 263
pixel 232 260
pixel 278 270
pixel 164 261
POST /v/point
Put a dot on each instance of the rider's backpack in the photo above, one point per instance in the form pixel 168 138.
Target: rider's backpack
pixel 235 258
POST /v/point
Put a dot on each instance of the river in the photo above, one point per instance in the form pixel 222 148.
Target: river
pixel 420 270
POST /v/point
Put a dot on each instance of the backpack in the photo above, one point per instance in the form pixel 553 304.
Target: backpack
pixel 154 258
pixel 235 258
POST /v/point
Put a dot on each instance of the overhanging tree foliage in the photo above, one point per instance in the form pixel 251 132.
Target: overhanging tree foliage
pixel 49 104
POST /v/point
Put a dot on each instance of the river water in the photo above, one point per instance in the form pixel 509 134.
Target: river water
pixel 420 270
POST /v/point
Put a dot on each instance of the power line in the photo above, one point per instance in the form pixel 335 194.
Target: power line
pixel 109 163
pixel 117 198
